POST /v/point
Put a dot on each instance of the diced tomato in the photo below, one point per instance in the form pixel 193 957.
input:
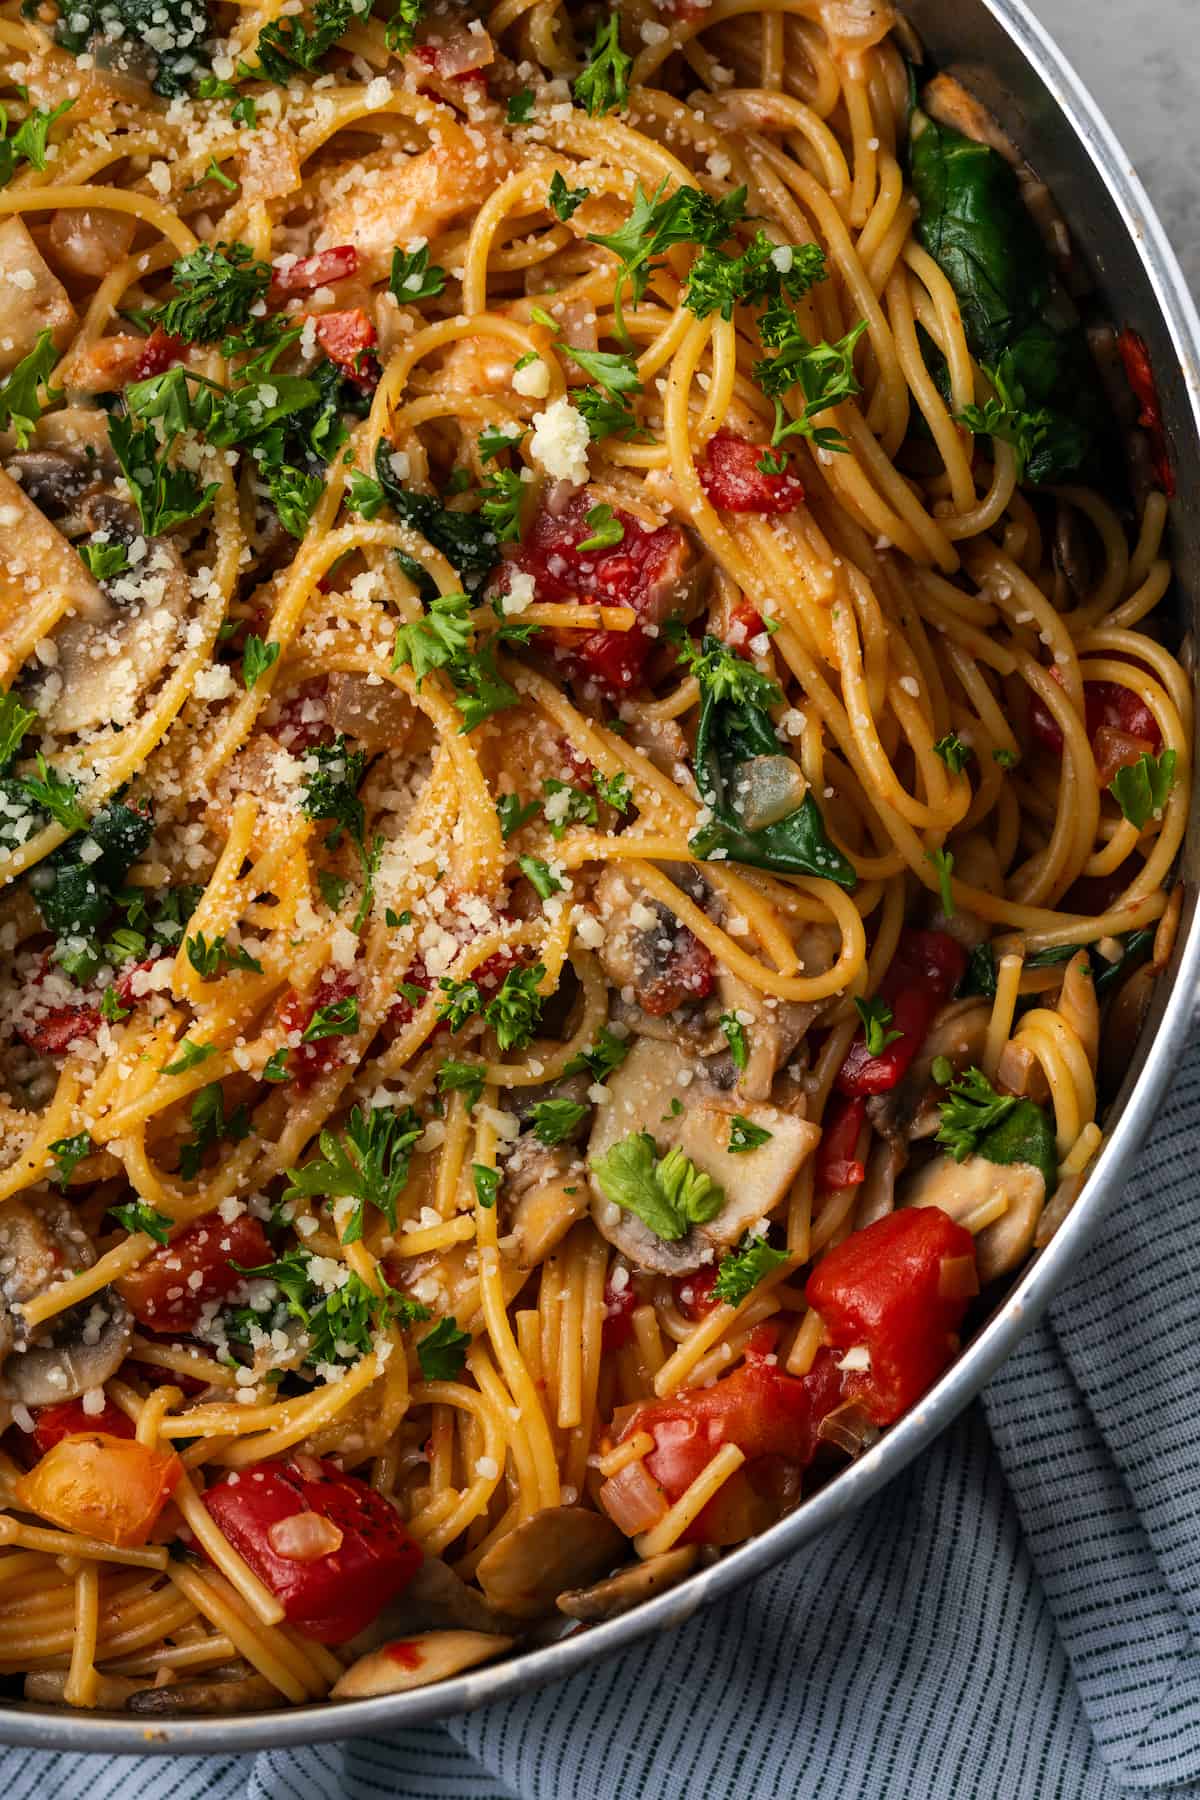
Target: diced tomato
pixel 306 1063
pixel 1107 706
pixel 1139 373
pixel 730 476
pixel 896 1287
pixel 694 1294
pixel 170 1290
pixel 645 571
pixel 441 59
pixel 1115 750
pixel 349 339
pixel 101 1486
pixel 303 718
pixel 331 1596
pixel 745 624
pixel 762 1410
pixel 58 1027
pixel 926 969
pixel 837 1164
pixel 68 1419
pixel 689 972
pixel 161 351
pixel 319 270
pixel 619 1304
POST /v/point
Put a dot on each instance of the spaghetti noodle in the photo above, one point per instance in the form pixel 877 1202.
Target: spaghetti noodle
pixel 590 778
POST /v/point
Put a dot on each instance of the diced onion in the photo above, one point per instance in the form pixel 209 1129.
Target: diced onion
pixel 633 1500
pixel 768 789
pixel 849 1427
pixel 304 1537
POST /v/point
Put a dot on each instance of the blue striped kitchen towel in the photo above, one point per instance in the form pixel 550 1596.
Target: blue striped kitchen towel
pixel 1017 1617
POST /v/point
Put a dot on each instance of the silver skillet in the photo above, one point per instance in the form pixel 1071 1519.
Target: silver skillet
pixel 999 51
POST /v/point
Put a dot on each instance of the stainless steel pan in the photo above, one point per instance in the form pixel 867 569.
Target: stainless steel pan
pixel 1002 53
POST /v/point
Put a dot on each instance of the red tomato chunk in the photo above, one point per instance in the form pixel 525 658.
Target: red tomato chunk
pixel 170 1290
pixel 1108 708
pixel 646 570
pixel 900 1287
pixel 160 351
pixel 732 479
pixel 68 1419
pixel 330 1595
pixel 838 1165
pixel 1139 373
pixel 308 1062
pixel 926 969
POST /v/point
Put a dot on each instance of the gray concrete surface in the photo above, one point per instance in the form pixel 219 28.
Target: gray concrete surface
pixel 1141 59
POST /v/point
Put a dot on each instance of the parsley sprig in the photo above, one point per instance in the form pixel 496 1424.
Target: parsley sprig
pixel 669 1193
pixel 20 406
pixel 368 1163
pixel 655 223
pixel 604 83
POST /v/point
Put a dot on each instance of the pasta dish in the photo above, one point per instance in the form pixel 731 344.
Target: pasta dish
pixel 591 772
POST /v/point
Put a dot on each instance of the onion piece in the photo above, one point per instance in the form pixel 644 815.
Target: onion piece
pixel 849 1427
pixel 304 1537
pixel 633 1499
pixel 958 1278
pixel 767 789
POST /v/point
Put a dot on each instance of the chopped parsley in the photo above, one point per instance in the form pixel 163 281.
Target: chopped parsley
pixel 138 1216
pixel 564 201
pixel 286 45
pixel 368 1163
pixel 745 1135
pixel 338 1019
pixel 657 221
pixel 604 83
pixel 669 1193
pixel 190 1056
pixel 741 1271
pixel 487 1183
pixel 20 406
pixel 28 141
pixel 876 1016
pixel 211 960
pixel 735 1036
pixel 68 1153
pixel 555 1120
pixel 823 372
pixel 953 752
pixel 1141 788
pixel 510 810
pixel 943 862
pixel 601 1058
pixel 605 529
pixel 257 658
pixel 414 277
pixel 443 1351
pixel 462 1078
pixel 763 271
pixel 211 1126
pixel 540 876
pixel 218 286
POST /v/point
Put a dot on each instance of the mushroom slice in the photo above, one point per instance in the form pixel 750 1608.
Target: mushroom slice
pixel 644 1095
pixel 629 1587
pixel 107 663
pixel 416 1662
pixel 40 577
pixel 436 1599
pixel 372 711
pixel 232 1688
pixel 557 1548
pixel 78 1349
pixel 910 1110
pixel 544 1194
pixel 960 1189
pixel 47 1687
pixel 35 300
pixel 775 1027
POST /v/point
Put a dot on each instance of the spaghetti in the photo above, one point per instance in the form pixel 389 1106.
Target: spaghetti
pixel 590 777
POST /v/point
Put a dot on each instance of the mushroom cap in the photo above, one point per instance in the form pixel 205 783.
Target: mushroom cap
pixel 78 1349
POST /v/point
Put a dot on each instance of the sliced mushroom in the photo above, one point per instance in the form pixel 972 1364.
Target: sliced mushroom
pixel 653 960
pixel 371 710
pixel 1079 1007
pixel 77 1350
pixel 416 1662
pixel 545 1191
pixel 87 241
pixel 48 1687
pixel 436 1599
pixel 1072 555
pixel 35 300
pixel 1020 1072
pixel 886 1163
pixel 658 1090
pixel 39 574
pixel 960 1189
pixel 910 1110
pixel 232 1688
pixel 775 1027
pixel 105 665
pixel 558 1548
pixel 629 1587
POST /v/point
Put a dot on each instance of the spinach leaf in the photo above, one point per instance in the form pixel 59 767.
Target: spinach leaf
pixel 974 224
pixel 1024 1135
pixel 75 896
pixel 734 727
pixel 465 539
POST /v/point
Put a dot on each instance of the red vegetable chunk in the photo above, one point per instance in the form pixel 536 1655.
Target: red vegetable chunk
pixel 837 1163
pixel 349 339
pixel 307 1062
pixel 332 1594
pixel 1139 373
pixel 732 479
pixel 170 1290
pixel 1108 707
pixel 926 969
pixel 160 352
pixel 896 1287
pixel 68 1419
pixel 647 570
pixel 320 270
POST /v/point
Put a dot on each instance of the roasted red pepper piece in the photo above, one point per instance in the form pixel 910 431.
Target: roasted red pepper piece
pixel 1139 373
pixel 330 1597
pixel 349 339
pixel 694 1294
pixel 171 1288
pixel 837 1164
pixel 730 476
pixel 894 1287
pixel 619 1303
pixel 926 969
pixel 319 270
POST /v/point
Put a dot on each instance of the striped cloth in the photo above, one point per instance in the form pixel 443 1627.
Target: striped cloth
pixel 1016 1616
